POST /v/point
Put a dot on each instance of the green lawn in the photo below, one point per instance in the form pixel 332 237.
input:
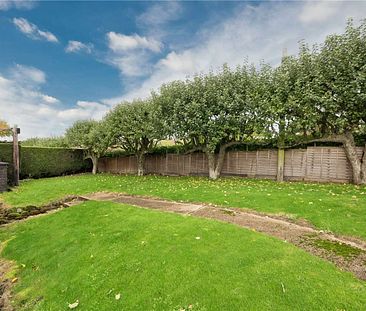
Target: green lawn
pixel 162 261
pixel 338 208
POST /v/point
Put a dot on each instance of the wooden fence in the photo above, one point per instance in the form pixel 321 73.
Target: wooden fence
pixel 321 164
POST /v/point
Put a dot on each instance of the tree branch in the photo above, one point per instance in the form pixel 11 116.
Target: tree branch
pixel 330 138
pixel 200 148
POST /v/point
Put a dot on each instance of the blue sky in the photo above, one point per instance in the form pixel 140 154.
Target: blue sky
pixel 64 61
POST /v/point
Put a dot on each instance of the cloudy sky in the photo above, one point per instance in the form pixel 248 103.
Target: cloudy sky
pixel 64 61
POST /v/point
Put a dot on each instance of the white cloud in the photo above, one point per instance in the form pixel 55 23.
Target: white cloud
pixel 38 114
pixel 134 55
pixel 17 4
pixel 121 43
pixel 320 11
pixel 49 99
pixel 159 14
pixel 77 46
pixel 254 32
pixel 158 22
pixel 132 64
pixel 183 62
pixel 28 74
pixel 131 54
pixel 32 31
pixel 84 110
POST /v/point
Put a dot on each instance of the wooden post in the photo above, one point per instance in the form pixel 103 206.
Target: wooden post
pixel 16 131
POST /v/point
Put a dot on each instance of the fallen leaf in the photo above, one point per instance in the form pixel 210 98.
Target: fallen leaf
pixel 283 288
pixel 74 305
pixel 14 280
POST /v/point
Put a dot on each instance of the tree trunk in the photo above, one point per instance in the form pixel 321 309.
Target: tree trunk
pixel 95 164
pixel 363 167
pixel 280 164
pixel 140 164
pixel 212 172
pixel 281 151
pixel 216 162
pixel 358 165
pixel 351 151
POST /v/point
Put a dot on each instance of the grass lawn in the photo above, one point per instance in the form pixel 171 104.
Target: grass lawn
pixel 338 208
pixel 162 261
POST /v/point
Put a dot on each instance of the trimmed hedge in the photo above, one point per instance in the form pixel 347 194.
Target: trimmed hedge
pixel 37 162
pixel 6 155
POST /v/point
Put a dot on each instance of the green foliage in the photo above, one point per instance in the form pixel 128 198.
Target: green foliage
pixel 341 81
pixel 59 142
pixel 212 110
pixel 89 135
pixel 92 137
pixel 6 155
pixel 322 92
pixel 5 129
pixel 36 162
pixel 178 149
pixel 118 152
pixel 136 126
pixel 96 250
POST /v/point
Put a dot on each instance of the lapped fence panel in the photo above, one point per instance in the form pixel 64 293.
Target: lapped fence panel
pixel 295 164
pixel 321 164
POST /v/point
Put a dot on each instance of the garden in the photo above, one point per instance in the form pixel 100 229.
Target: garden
pixel 103 255
pixel 73 239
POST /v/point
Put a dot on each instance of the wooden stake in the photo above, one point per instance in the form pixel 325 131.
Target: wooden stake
pixel 16 131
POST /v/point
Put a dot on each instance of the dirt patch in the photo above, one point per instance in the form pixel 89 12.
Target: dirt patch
pixel 11 214
pixel 5 285
pixel 347 253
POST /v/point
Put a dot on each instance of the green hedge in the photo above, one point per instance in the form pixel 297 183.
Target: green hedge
pixel 6 155
pixel 36 162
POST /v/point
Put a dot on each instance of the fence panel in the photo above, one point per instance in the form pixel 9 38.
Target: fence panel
pixel 327 164
pixel 321 164
pixel 295 164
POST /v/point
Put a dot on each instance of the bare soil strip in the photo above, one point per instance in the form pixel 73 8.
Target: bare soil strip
pixel 351 257
pixel 5 285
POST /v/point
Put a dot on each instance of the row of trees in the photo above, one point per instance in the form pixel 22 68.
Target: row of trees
pixel 318 95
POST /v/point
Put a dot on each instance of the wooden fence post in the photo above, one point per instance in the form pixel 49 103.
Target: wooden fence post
pixel 16 131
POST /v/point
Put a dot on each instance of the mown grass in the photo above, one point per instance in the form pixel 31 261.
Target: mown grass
pixel 334 207
pixel 161 261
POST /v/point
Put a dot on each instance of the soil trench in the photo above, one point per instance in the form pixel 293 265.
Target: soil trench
pixel 347 253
